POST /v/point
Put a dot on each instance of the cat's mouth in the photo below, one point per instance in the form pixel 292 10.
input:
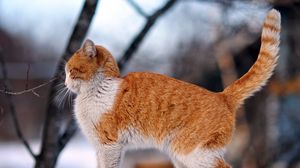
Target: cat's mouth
pixel 73 86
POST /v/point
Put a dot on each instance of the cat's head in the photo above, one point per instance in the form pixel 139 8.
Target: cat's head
pixel 88 62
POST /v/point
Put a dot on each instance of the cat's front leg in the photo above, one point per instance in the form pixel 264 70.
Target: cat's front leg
pixel 178 164
pixel 109 156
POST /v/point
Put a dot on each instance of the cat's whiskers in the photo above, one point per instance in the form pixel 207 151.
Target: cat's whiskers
pixel 69 97
pixel 60 97
pixel 65 97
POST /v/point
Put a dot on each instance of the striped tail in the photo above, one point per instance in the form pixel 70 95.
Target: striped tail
pixel 261 71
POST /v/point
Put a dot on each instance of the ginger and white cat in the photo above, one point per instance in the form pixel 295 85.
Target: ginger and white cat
pixel 142 109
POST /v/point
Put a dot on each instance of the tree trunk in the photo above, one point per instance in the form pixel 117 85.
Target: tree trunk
pixel 53 140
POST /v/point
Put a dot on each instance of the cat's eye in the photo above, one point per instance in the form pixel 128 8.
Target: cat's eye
pixel 78 70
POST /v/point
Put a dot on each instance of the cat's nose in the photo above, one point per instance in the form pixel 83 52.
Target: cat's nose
pixel 65 83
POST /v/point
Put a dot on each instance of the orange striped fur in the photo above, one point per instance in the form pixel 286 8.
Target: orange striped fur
pixel 189 123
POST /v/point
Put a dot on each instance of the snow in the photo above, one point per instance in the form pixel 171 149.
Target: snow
pixel 77 154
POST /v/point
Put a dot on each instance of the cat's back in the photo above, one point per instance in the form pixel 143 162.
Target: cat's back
pixel 157 91
pixel 159 81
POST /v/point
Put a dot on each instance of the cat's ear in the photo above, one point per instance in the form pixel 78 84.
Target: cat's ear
pixel 89 48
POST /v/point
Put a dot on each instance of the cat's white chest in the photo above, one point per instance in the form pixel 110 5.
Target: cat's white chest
pixel 92 103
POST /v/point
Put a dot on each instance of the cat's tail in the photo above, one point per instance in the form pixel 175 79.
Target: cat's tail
pixel 261 71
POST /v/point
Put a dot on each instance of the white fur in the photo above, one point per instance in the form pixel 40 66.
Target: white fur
pixel 94 98
pixel 135 140
pixel 109 156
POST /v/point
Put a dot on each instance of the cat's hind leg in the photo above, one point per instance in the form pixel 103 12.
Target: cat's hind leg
pixel 222 164
pixel 109 156
pixel 202 158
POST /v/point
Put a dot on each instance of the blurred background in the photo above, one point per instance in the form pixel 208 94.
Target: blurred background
pixel 206 42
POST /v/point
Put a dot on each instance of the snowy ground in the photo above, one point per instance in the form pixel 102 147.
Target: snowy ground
pixel 77 154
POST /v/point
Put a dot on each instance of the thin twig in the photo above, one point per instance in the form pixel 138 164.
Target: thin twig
pixel 13 111
pixel 137 8
pixel 151 20
pixel 27 76
pixel 32 90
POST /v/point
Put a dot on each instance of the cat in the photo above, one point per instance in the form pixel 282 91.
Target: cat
pixel 142 109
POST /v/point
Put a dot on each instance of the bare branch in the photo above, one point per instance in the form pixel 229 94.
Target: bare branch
pixel 81 28
pixel 151 20
pixel 32 90
pixel 137 8
pixel 13 110
pixel 68 134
